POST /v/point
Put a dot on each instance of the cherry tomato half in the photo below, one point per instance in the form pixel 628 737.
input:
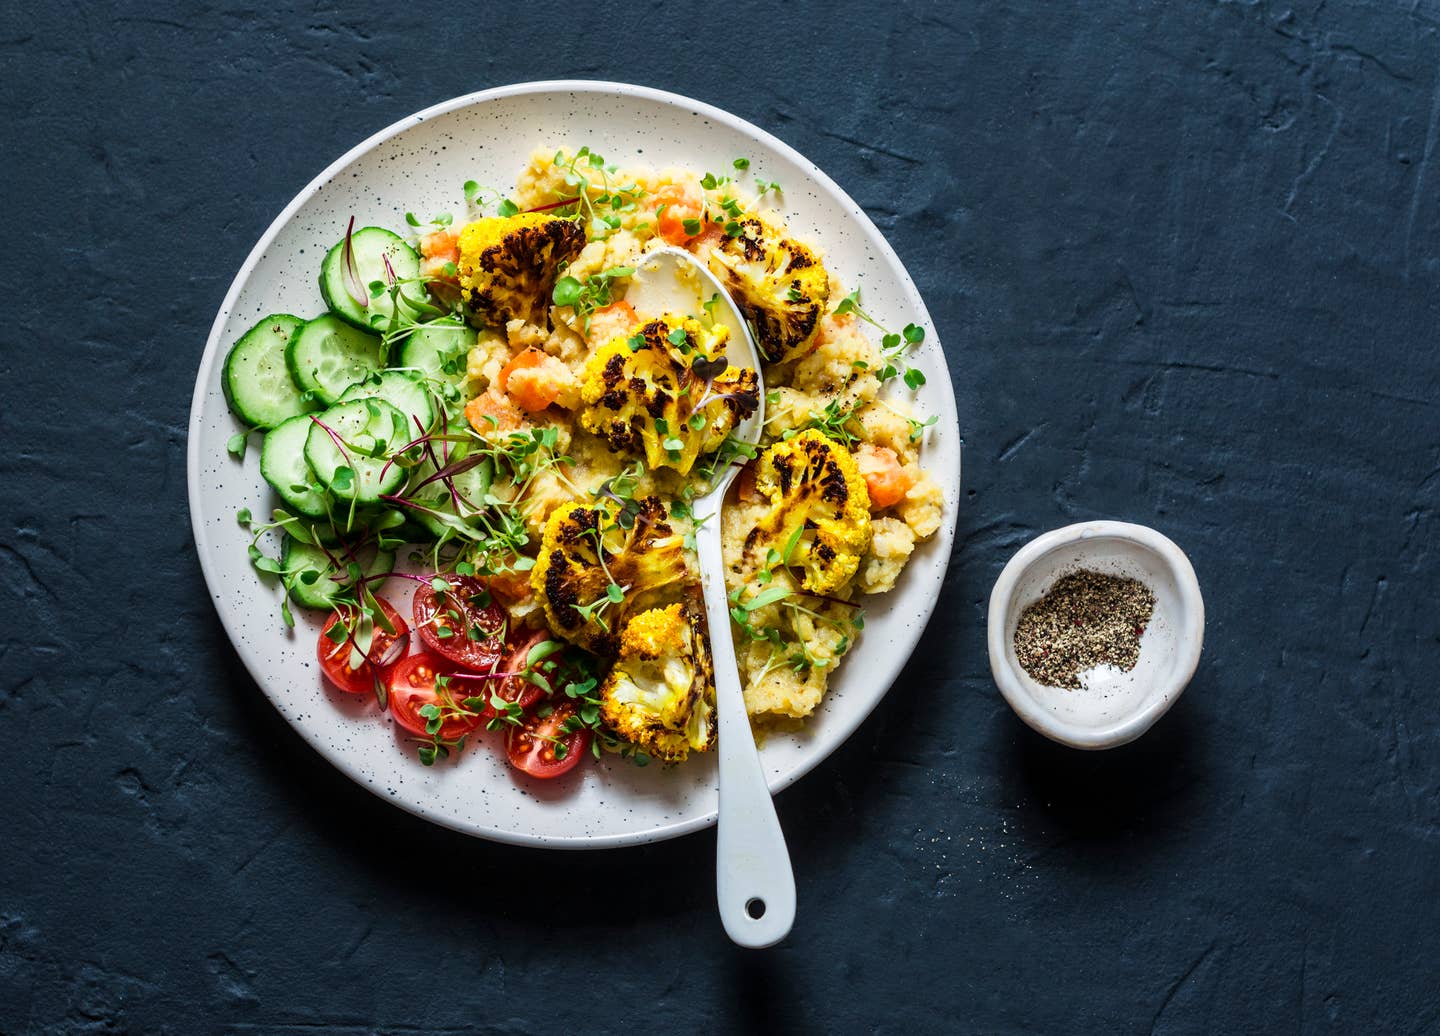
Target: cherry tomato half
pixel 517 688
pixel 384 649
pixel 477 640
pixel 412 687
pixel 541 747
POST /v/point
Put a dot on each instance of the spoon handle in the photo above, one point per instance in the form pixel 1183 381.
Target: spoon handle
pixel 752 867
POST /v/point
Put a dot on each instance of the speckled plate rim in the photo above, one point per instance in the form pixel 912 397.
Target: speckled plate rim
pixel 886 666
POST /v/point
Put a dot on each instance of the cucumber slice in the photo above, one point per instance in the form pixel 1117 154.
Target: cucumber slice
pixel 472 484
pixel 438 350
pixel 371 245
pixel 297 557
pixel 404 392
pixel 371 429
pixel 283 465
pixel 326 356
pixel 256 380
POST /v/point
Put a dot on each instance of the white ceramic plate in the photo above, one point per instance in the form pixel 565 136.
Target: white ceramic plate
pixel 419 164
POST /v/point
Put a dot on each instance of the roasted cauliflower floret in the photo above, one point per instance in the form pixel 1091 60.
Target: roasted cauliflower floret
pixel 777 282
pixel 588 548
pixel 818 514
pixel 660 693
pixel 509 264
pixel 666 392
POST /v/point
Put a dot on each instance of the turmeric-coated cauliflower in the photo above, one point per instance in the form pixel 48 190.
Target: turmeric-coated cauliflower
pixel 818 514
pixel 666 392
pixel 509 264
pixel 588 548
pixel 777 282
pixel 660 694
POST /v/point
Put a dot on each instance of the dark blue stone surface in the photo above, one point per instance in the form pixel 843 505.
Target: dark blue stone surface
pixel 1185 260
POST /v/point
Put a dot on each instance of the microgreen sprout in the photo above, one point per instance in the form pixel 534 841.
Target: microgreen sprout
pixel 707 370
pixel 731 451
pixel 833 421
pixel 893 346
pixel 480 196
pixel 621 491
pixel 917 428
pixel 596 291
pixel 600 203
pixel 237 443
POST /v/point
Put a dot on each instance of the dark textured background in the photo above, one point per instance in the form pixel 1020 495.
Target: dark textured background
pixel 1185 260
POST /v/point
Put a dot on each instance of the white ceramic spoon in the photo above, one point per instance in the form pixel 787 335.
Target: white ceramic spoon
pixel 753 879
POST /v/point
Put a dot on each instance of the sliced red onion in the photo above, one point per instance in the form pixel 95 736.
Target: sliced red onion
pixel 354 287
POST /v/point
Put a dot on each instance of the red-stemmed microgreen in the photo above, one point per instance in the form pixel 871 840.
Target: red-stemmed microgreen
pixel 549 206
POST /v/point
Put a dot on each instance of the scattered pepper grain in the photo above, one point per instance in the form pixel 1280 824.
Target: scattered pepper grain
pixel 1087 619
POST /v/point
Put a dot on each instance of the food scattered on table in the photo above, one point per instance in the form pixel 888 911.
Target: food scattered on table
pixel 482 403
pixel 1087 619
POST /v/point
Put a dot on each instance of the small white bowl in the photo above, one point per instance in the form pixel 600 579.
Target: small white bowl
pixel 1114 707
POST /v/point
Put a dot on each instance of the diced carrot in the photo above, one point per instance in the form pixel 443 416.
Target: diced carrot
pixel 680 204
pixel 709 237
pixel 618 318
pixel 534 389
pixel 492 412
pixel 675 205
pixel 436 250
pixel 524 359
pixel 886 480
pixel 442 245
pixel 533 379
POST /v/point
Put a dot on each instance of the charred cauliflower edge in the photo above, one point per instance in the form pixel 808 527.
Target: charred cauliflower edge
pixel 812 485
pixel 580 557
pixel 660 693
pixel 778 283
pixel 640 392
pixel 509 264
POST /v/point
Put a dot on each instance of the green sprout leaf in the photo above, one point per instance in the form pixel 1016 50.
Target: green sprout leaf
pixel 567 291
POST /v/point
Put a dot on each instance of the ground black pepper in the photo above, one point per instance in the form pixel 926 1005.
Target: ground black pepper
pixel 1087 619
